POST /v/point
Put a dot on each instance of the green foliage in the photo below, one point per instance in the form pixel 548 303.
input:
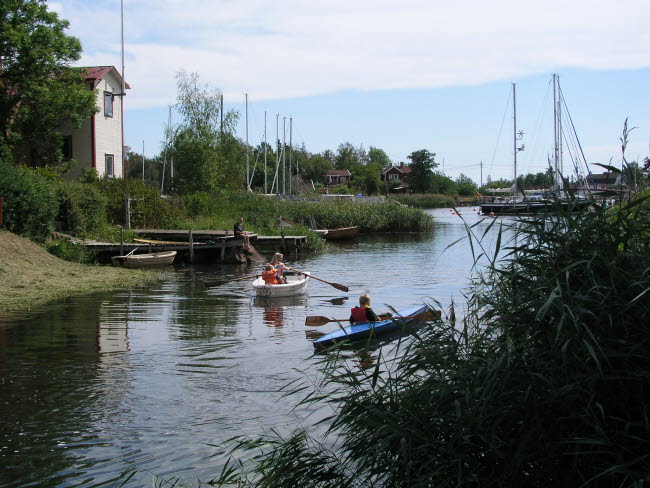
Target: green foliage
pixel 545 383
pixel 442 184
pixel 465 185
pixel 41 93
pixel 199 203
pixel 76 253
pixel 427 200
pixel 82 208
pixel 422 165
pixel 342 190
pixel 29 202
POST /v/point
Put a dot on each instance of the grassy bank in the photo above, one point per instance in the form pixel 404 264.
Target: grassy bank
pixel 31 276
pixel 425 200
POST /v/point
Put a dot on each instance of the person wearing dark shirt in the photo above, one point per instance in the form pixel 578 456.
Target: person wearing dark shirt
pixel 363 313
pixel 240 232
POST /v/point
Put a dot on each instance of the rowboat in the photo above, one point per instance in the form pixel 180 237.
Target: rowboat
pixel 145 260
pixel 339 234
pixel 370 329
pixel 296 285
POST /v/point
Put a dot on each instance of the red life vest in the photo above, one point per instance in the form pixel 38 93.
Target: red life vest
pixel 269 277
pixel 359 314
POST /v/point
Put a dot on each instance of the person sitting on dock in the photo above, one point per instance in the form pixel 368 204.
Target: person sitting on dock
pixel 269 275
pixel 240 232
pixel 363 313
pixel 279 267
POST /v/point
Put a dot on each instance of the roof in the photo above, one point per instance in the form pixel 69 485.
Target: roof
pixel 96 73
pixel 339 172
pixel 402 169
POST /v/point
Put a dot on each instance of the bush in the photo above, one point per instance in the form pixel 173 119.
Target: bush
pixel 64 249
pixel 29 202
pixel 82 207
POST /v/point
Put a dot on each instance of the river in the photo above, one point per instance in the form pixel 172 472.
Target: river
pixel 154 377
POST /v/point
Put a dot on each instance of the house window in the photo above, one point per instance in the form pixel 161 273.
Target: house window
pixel 108 104
pixel 110 158
pixel 66 150
pixel 393 176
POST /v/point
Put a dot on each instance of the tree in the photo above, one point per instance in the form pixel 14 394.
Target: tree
pixel 39 91
pixel 316 167
pixel 465 185
pixel 422 164
pixel 207 156
pixel 378 156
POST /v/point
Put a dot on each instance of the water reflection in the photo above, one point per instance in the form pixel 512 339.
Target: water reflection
pixel 274 317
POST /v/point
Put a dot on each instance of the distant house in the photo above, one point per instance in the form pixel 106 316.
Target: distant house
pixel 395 172
pixel 99 141
pixel 336 176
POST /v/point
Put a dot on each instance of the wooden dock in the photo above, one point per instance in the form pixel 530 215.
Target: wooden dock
pixel 216 242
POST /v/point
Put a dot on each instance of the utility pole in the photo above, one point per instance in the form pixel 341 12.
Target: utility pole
pixel 142 161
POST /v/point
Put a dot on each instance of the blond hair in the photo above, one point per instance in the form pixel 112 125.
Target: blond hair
pixel 269 266
pixel 277 258
pixel 364 299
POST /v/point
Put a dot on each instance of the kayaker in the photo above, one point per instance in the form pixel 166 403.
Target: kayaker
pixel 240 232
pixel 279 266
pixel 363 313
pixel 269 275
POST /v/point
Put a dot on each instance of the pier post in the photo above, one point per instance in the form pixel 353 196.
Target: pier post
pixel 121 241
pixel 284 247
pixel 223 249
pixel 127 211
pixel 191 247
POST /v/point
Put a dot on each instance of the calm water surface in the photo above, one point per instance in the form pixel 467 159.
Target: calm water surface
pixel 154 377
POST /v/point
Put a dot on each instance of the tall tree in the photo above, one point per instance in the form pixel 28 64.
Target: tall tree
pixel 207 156
pixel 378 156
pixel 39 90
pixel 422 164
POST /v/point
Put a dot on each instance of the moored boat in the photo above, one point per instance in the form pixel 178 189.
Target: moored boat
pixel 296 285
pixel 151 260
pixel 367 330
pixel 339 234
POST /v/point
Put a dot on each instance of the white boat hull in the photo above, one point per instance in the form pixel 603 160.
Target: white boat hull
pixel 297 285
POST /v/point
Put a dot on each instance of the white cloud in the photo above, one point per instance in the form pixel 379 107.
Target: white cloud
pixel 289 48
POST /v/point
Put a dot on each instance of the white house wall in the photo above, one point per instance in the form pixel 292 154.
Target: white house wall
pixel 108 130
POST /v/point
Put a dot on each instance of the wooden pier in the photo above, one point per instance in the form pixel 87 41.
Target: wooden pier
pixel 218 243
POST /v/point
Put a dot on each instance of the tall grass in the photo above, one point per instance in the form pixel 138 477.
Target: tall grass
pixel 425 200
pixel 545 383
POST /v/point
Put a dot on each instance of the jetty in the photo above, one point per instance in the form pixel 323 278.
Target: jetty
pixel 219 245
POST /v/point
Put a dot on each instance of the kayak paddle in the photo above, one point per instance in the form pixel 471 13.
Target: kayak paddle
pixel 428 316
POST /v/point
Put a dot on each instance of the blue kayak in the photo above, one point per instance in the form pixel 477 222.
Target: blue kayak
pixel 365 330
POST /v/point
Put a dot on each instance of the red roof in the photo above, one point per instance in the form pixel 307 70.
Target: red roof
pixel 96 73
pixel 339 172
pixel 402 168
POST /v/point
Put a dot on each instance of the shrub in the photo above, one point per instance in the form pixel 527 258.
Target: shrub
pixel 29 202
pixel 64 249
pixel 82 207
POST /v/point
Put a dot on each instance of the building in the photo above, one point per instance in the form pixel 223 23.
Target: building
pixel 336 176
pixel 395 172
pixel 99 142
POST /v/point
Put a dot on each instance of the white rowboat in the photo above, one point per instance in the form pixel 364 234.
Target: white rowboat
pixel 297 285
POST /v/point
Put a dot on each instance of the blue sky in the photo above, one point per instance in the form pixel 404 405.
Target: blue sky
pixel 400 76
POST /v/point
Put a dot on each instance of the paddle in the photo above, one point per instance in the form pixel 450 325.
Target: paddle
pixel 428 316
pixel 335 285
pixel 132 252
pixel 223 282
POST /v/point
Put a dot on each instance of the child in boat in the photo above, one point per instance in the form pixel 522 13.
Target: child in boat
pixel 279 266
pixel 269 275
pixel 363 313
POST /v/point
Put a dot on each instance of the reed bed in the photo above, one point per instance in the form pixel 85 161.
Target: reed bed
pixel 545 383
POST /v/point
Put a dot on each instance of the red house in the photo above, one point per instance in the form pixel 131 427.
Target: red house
pixel 336 176
pixel 395 172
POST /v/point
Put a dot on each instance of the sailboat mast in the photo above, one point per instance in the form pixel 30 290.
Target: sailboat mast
pixel 290 152
pixel 248 185
pixel 514 135
pixel 265 188
pixel 555 146
pixel 284 155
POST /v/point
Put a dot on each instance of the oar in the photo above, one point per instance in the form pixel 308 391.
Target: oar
pixel 428 316
pixel 335 285
pixel 223 282
pixel 132 252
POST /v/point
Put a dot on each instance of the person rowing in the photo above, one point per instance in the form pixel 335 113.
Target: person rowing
pixel 363 313
pixel 279 266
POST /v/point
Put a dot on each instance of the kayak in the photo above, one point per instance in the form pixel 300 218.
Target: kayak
pixel 366 330
pixel 296 285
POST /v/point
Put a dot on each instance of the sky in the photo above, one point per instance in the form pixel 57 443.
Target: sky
pixel 399 76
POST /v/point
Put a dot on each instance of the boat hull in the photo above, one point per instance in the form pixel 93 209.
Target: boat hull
pixel 366 330
pixel 145 260
pixel 297 285
pixel 340 233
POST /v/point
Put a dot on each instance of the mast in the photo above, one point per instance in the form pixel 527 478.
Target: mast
pixel 290 152
pixel 514 138
pixel 123 85
pixel 248 183
pixel 265 192
pixel 555 139
pixel 284 156
pixel 143 161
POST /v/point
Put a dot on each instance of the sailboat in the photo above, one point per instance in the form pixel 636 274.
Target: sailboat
pixel 523 205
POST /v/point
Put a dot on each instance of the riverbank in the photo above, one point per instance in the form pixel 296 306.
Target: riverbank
pixel 31 276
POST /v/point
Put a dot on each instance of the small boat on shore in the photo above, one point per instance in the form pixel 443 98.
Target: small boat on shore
pixel 368 330
pixel 339 234
pixel 296 285
pixel 151 260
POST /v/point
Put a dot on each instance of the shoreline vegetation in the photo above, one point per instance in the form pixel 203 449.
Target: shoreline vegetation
pixel 30 276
